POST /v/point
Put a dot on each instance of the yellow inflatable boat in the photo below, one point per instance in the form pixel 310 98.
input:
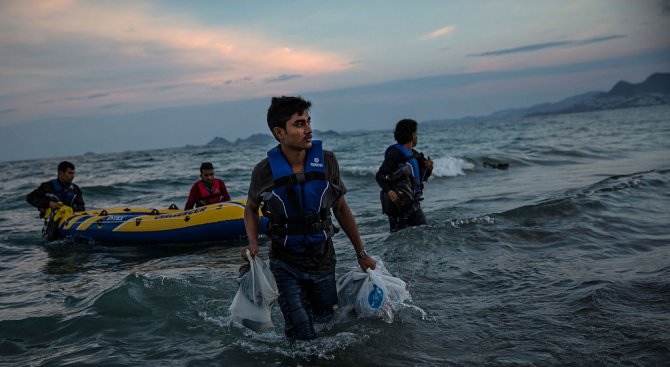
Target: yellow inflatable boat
pixel 216 222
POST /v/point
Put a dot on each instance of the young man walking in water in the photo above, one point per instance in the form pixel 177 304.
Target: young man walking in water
pixel 401 177
pixel 299 184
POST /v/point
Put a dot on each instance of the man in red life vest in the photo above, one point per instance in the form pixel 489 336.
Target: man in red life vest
pixel 208 190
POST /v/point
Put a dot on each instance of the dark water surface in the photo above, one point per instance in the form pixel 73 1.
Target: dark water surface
pixel 562 259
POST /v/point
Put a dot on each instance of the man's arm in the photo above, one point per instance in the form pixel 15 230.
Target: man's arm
pixel 38 198
pixel 224 191
pixel 391 161
pixel 190 202
pixel 251 223
pixel 78 203
pixel 346 220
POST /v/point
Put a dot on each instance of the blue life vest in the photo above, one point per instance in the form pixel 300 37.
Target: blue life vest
pixel 65 195
pixel 299 217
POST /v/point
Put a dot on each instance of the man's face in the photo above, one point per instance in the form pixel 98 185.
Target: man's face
pixel 66 176
pixel 415 138
pixel 298 132
pixel 207 176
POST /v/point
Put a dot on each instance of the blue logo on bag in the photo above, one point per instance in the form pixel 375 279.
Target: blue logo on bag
pixel 375 297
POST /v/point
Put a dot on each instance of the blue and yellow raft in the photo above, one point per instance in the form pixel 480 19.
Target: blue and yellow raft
pixel 215 222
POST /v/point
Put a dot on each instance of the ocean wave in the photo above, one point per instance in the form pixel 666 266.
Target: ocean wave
pixel 451 167
pixel 594 197
pixel 442 167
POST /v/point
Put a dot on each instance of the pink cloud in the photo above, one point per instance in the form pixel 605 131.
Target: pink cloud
pixel 439 32
pixel 135 26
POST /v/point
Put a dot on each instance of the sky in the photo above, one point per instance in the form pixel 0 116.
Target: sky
pixel 65 60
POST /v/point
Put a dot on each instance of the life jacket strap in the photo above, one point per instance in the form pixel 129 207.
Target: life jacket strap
pixel 314 223
pixel 303 229
pixel 298 178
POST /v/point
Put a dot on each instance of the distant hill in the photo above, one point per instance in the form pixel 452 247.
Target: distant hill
pixel 254 139
pixel 513 113
pixel 267 139
pixel 219 141
pixel 655 90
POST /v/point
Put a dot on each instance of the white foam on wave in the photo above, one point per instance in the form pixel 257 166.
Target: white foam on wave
pixel 451 167
pixel 360 170
pixel 442 167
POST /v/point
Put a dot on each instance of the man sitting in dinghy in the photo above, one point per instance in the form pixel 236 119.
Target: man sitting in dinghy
pixel 208 190
pixel 60 191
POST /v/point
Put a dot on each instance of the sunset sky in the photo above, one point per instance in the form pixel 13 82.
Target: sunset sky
pixel 68 58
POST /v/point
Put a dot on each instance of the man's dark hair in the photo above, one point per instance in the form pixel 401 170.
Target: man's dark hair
pixel 404 130
pixel 282 108
pixel 64 165
pixel 206 165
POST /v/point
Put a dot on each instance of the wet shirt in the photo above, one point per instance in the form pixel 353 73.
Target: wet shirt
pixel 39 197
pixel 195 196
pixel 322 259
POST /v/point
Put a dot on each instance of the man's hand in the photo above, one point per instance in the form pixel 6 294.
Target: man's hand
pixel 55 205
pixel 252 248
pixel 366 262
pixel 392 195
pixel 429 164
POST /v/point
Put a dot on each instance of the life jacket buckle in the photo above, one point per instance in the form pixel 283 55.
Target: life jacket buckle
pixel 298 178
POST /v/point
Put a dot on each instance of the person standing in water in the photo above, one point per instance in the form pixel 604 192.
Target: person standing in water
pixel 401 177
pixel 300 185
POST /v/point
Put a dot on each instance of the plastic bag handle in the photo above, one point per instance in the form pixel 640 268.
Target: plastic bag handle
pixel 249 257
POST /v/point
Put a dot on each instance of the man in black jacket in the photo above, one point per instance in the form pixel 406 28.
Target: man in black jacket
pixel 58 191
pixel 401 177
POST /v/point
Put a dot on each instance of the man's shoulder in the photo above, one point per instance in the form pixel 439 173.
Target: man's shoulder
pixel 261 171
pixel 329 156
pixel 264 164
pixel 394 152
pixel 47 185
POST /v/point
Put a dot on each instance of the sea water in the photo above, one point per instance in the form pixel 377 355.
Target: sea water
pixel 563 258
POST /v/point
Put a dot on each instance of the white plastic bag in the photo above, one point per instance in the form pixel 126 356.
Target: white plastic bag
pixel 375 293
pixel 252 304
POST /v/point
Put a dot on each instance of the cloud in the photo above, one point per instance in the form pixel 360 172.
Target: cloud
pixel 9 110
pixel 542 46
pixel 90 96
pixel 97 95
pixel 246 79
pixel 665 7
pixel 78 48
pixel 110 106
pixel 282 78
pixel 439 33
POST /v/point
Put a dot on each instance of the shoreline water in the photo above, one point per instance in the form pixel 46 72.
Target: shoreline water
pixel 563 258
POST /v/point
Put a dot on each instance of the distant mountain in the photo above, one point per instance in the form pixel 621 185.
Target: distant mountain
pixel 655 90
pixel 219 141
pixel 512 113
pixel 266 139
pixel 254 139
pixel 257 139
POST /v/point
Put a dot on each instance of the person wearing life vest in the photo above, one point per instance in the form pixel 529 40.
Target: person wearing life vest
pixel 401 177
pixel 208 190
pixel 55 193
pixel 300 186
